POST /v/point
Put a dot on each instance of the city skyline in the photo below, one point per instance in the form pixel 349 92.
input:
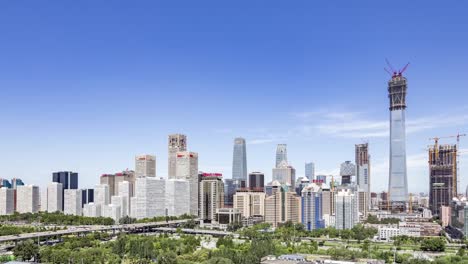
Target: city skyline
pixel 254 78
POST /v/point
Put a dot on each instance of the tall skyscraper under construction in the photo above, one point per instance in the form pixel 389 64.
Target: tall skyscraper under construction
pixel 398 182
pixel 443 176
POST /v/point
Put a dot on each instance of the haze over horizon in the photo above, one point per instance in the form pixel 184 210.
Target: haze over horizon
pixel 88 85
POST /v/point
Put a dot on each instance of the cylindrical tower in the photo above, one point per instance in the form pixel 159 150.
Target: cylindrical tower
pixel 398 183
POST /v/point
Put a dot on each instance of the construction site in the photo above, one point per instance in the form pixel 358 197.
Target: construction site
pixel 443 175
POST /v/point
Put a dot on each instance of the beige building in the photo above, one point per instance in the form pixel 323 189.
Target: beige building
pixel 113 181
pixel 328 202
pixel 250 203
pixel 211 196
pixel 176 143
pixel 187 169
pixel 282 206
pixel 363 203
pixel 145 165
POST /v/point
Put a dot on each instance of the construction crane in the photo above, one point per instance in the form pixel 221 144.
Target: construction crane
pixel 392 71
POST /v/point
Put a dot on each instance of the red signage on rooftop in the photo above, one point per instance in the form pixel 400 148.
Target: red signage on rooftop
pixel 212 174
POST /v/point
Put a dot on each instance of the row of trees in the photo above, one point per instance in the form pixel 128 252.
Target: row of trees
pixel 6 230
pixel 56 218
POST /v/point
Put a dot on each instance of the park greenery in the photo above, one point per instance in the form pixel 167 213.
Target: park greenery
pixel 252 244
pixel 7 230
pixel 372 219
pixel 57 218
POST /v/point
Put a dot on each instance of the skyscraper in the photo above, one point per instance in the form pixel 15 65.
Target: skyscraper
pixel 73 202
pixel 285 174
pixel 250 203
pixel 113 180
pixel 187 169
pixel 281 154
pixel 28 198
pixel 145 165
pixel 68 179
pixel 310 171
pixel 256 181
pixel 55 197
pixel 211 196
pixel 282 206
pixel 239 160
pixel 442 176
pixel 312 205
pixel 346 203
pixel 363 169
pixel 347 170
pixel 176 143
pixel 7 205
pixel 398 183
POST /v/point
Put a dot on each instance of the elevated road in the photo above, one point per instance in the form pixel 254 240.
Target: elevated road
pixel 140 227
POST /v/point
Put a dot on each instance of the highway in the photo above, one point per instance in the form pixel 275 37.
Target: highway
pixel 88 229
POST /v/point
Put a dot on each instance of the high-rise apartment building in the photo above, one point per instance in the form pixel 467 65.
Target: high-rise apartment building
pixel 363 169
pixel 211 196
pixel 187 169
pixel 398 183
pixel 328 201
pixel 113 211
pixel 177 197
pixel 285 174
pixel 145 165
pixel 310 171
pixel 7 206
pixel 92 210
pixel 101 194
pixel 68 179
pixel 126 192
pixel 363 203
pixel 176 143
pixel 73 202
pixel 282 206
pixel 442 176
pixel 347 170
pixel 239 160
pixel 250 203
pixel 54 197
pixel 256 181
pixel 312 207
pixel 346 203
pixel 120 202
pixel 149 199
pixel 28 198
pixel 281 154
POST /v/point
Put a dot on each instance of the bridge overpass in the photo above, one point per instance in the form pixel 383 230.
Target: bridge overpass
pixel 76 230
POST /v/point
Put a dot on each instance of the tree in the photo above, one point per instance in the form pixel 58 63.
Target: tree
pixel 433 244
pixel 26 250
pixel 461 252
pixel 365 245
pixel 232 227
pixel 218 261
pixel 167 258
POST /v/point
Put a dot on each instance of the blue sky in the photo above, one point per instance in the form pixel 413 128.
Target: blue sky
pixel 86 85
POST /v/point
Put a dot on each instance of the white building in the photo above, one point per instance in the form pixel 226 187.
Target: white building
pixel 54 197
pixel 178 198
pixel 43 202
pixel 145 165
pixel 176 143
pixel 112 211
pixel 122 203
pixel 92 210
pixel 27 199
pixel 73 199
pixel 284 174
pixel 187 169
pixel 346 203
pixel 101 194
pixel 149 198
pixel 387 232
pixel 7 204
pixel 126 192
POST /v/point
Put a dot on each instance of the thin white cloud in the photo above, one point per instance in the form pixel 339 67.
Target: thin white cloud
pixel 356 125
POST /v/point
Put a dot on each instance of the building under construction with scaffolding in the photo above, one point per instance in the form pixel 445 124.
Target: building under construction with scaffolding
pixel 443 176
